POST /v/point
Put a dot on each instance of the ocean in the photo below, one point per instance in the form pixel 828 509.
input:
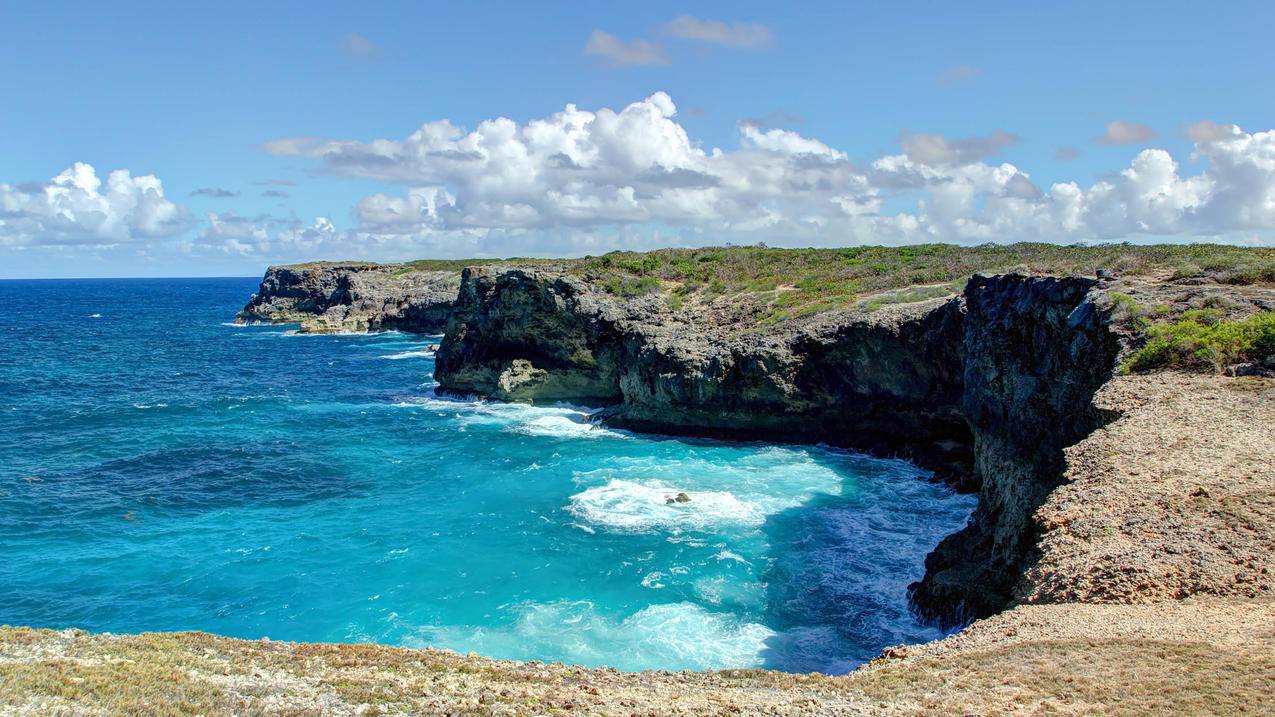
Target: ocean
pixel 164 469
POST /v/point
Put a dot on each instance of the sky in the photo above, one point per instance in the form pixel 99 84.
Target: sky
pixel 175 139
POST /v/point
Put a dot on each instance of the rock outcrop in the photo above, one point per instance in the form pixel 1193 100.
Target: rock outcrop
pixel 325 298
pixel 887 383
pixel 985 389
pixel 1034 352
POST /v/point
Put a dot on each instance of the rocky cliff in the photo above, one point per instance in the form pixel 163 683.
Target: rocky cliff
pixel 330 297
pixel 986 388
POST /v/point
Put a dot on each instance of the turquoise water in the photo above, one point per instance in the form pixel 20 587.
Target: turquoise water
pixel 162 470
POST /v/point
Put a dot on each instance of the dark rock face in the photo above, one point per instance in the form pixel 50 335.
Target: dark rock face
pixel 519 337
pixel 354 297
pixel 986 389
pixel 890 385
pixel 1035 351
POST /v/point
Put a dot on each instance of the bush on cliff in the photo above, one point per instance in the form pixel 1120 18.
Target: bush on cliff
pixel 1202 338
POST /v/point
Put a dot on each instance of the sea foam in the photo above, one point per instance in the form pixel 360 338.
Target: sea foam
pixel 678 635
pixel 409 354
pixel 630 506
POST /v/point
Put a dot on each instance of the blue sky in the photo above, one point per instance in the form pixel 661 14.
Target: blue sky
pixel 837 123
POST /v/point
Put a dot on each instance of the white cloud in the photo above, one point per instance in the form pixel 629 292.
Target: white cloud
pixel 265 235
pixel 588 181
pixel 75 208
pixel 625 173
pixel 618 52
pixel 1150 198
pixel 745 35
pixel 587 172
pixel 1121 132
pixel 578 168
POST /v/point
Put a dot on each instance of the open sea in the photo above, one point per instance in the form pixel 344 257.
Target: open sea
pixel 163 469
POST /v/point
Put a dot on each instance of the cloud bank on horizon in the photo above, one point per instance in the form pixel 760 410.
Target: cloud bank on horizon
pixel 581 181
pixel 835 125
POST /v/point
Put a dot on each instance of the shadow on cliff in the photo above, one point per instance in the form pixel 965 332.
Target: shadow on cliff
pixel 836 587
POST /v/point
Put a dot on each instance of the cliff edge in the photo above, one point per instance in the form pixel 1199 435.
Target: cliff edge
pixel 354 296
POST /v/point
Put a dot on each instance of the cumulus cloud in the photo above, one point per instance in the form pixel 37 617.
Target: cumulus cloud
pixel 619 53
pixel 214 193
pixel 1121 132
pixel 580 181
pixel 265 235
pixel 578 168
pixel 77 207
pixel 624 173
pixel 742 34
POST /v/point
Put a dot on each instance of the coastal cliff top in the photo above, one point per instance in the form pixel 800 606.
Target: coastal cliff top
pixel 782 284
pixel 1201 656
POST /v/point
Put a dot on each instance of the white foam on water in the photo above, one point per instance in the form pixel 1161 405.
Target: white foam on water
pixel 643 507
pixel 629 493
pixel 387 334
pixel 143 406
pixel 95 316
pixel 409 354
pixel 652 580
pixel 673 635
pixel 560 421
pixel 564 425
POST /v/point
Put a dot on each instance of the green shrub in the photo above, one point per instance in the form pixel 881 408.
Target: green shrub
pixel 1203 338
pixel 631 287
pixel 1127 312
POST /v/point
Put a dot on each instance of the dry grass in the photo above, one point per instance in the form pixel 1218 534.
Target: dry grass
pixel 1083 677
pixel 1212 658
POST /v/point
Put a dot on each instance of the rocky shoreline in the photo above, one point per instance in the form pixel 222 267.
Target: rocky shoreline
pixel 988 388
pixel 1125 527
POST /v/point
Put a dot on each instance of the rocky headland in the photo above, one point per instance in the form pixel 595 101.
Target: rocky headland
pixel 1119 560
pixel 354 297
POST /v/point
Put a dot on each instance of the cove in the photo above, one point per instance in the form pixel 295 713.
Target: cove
pixel 167 471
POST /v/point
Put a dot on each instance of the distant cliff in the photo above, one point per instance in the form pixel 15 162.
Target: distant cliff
pixel 330 297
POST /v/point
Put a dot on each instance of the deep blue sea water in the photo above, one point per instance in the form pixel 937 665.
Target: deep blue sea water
pixel 163 470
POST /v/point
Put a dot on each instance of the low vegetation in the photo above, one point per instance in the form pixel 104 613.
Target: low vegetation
pixel 800 282
pixel 797 282
pixel 1203 338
